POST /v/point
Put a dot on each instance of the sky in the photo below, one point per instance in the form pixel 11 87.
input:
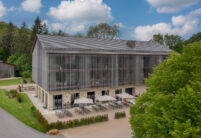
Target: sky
pixel 137 19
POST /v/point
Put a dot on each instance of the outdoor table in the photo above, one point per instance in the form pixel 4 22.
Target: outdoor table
pixel 59 114
pixel 78 111
pixel 68 113
pixel 102 107
pixel 95 109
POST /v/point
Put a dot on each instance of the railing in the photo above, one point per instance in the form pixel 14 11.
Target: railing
pixel 31 88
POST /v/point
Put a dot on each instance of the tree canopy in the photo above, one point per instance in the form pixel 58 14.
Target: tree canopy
pixel 194 38
pixel 104 31
pixel 170 108
pixel 174 42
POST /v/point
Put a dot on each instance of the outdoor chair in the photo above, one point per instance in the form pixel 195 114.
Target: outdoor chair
pixel 118 105
pixel 113 106
pixel 86 110
pixel 95 108
pixel 102 107
pixel 125 104
pixel 122 104
pixel 79 111
pixel 59 114
pixel 68 113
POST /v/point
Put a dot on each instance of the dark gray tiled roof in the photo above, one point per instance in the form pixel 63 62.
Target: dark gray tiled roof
pixel 50 42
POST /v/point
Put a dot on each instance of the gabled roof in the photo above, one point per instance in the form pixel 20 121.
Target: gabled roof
pixel 50 42
pixel 7 64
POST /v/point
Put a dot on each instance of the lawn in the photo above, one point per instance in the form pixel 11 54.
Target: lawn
pixel 22 111
pixel 10 82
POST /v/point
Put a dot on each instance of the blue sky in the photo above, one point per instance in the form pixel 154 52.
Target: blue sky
pixel 137 19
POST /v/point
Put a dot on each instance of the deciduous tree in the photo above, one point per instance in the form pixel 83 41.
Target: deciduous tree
pixel 104 31
pixel 8 40
pixel 194 38
pixel 23 43
pixel 174 42
pixel 170 108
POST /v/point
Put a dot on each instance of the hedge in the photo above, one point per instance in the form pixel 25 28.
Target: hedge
pixel 77 122
pixel 19 88
pixel 18 97
pixel 14 94
pixel 67 124
pixel 40 118
pixel 119 115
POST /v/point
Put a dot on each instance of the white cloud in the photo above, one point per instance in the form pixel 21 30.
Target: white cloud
pixel 32 5
pixel 178 20
pixel 79 14
pixel 180 25
pixel 120 25
pixel 2 9
pixel 82 10
pixel 57 26
pixel 77 28
pixel 165 6
pixel 45 21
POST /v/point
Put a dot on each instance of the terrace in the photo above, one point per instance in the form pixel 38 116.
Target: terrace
pixel 85 108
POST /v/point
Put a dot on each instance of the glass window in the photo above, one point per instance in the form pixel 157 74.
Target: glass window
pixel 105 92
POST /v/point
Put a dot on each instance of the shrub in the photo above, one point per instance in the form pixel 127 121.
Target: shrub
pixel 19 88
pixel 24 81
pixel 12 93
pixel 18 97
pixel 33 110
pixel 67 124
pixel 77 122
pixel 26 74
pixel 41 119
pixel 119 115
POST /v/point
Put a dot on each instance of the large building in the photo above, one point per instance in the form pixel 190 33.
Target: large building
pixel 67 68
pixel 7 70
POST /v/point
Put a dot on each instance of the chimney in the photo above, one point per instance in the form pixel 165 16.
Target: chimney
pixel 131 44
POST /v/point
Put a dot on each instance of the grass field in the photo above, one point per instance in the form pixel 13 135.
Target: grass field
pixel 10 82
pixel 22 111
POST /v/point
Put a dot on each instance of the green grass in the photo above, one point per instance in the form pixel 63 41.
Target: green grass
pixel 10 82
pixel 22 111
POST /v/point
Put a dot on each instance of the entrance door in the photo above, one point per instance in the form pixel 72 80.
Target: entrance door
pixel 118 91
pixel 73 97
pixel 105 92
pixel 57 101
pixel 91 95
pixel 129 91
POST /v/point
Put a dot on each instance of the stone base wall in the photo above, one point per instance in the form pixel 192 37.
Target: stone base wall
pixel 46 98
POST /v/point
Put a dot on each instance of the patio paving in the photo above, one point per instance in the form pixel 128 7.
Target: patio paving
pixel 119 128
pixel 114 128
pixel 11 87
pixel 51 117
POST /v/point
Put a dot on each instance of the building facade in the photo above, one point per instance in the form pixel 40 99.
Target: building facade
pixel 67 68
pixel 7 70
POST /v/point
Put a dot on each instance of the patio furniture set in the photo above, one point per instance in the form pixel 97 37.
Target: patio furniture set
pixel 84 110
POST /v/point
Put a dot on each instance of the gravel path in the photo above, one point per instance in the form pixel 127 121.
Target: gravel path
pixel 10 127
pixel 10 87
